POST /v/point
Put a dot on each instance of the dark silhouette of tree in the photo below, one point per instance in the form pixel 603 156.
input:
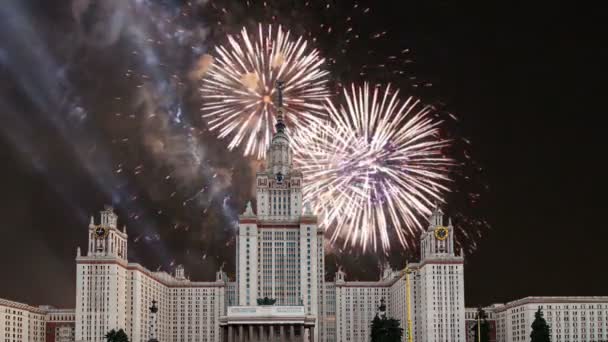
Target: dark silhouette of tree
pixel 117 336
pixel 385 329
pixel 540 328
pixel 376 328
pixel 266 301
pixel 484 327
pixel 393 330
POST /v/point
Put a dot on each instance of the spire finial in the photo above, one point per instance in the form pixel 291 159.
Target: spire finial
pixel 249 210
pixel 280 126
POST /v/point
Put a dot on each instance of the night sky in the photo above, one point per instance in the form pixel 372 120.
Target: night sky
pixel 526 84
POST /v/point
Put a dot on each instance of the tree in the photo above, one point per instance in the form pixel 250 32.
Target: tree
pixel 385 329
pixel 540 328
pixel 393 330
pixel 484 327
pixel 376 328
pixel 266 301
pixel 117 336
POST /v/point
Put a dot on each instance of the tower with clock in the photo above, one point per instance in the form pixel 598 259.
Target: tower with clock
pixel 105 239
pixel 440 282
pixel 438 239
pixel 101 278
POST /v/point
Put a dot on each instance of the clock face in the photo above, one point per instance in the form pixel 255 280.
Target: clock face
pixel 101 232
pixel 441 233
pixel 279 177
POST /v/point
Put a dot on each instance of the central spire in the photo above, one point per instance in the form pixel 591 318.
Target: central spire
pixel 279 152
pixel 280 126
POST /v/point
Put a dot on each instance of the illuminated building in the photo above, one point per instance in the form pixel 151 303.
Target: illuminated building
pixel 25 323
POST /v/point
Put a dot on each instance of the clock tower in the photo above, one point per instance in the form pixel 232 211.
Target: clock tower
pixel 105 239
pixel 102 292
pixel 440 280
pixel 438 239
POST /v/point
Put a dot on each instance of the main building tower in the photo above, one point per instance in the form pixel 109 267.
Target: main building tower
pixel 279 245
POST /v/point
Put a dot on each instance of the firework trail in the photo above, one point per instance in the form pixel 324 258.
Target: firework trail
pixel 377 170
pixel 239 86
pixel 355 51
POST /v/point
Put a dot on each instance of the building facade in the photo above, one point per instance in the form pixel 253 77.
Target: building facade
pixel 440 284
pixel 60 325
pixel 280 259
pixel 21 322
pixel 570 319
pixel 112 293
pixel 435 311
pixel 280 292
pixel 25 323
pixel 471 321
pixel 279 246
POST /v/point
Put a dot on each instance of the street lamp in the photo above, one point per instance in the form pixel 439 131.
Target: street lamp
pixel 407 271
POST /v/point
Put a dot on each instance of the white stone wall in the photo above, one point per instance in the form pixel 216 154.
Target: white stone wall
pixel 397 302
pixel 188 311
pixel 356 305
pixel 328 332
pixel 21 323
pixel 571 319
pixel 143 289
pixel 320 281
pixel 248 243
pixel 101 298
pixel 231 296
pixel 309 279
pixel 196 312
pixel 442 302
pixel 114 294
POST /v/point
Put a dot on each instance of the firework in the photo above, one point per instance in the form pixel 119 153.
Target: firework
pixel 239 87
pixel 376 170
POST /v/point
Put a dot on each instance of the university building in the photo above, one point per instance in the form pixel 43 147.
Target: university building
pixel 22 322
pixel 570 319
pixel 280 292
pixel 280 261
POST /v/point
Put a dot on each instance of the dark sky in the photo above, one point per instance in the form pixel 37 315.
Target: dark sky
pixel 526 82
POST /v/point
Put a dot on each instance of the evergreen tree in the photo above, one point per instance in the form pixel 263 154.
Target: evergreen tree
pixel 540 328
pixel 111 335
pixel 385 329
pixel 266 301
pixel 484 327
pixel 117 336
pixel 393 330
pixel 376 328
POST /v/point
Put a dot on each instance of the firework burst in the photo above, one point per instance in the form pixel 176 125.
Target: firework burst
pixel 239 87
pixel 376 170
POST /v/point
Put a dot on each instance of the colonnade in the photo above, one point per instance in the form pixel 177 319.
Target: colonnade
pixel 268 332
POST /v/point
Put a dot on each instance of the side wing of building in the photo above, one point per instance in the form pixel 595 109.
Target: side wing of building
pixel 112 293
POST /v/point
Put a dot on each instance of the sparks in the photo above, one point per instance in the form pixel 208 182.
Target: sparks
pixel 239 86
pixel 377 170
